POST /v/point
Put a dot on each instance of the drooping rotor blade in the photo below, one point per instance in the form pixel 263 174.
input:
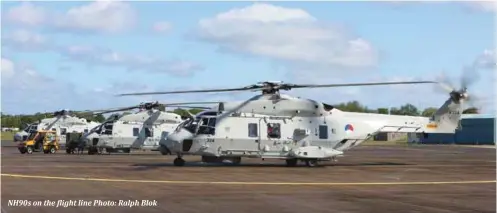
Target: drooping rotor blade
pixel 104 111
pixel 469 76
pixel 187 103
pixel 359 84
pixel 191 107
pixel 151 104
pixel 190 91
pixel 446 87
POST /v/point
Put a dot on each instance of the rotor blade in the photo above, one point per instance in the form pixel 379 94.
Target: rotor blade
pixel 469 76
pixel 359 84
pixel 446 87
pixel 104 111
pixel 192 107
pixel 190 91
pixel 184 103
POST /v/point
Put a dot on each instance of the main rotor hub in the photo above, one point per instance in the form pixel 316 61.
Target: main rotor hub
pixel 272 87
pixel 61 112
pixel 460 95
pixel 149 105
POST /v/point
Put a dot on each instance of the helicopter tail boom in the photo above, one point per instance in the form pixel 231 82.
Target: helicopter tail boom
pixel 445 120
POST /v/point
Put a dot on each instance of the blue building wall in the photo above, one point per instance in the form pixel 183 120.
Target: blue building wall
pixel 476 129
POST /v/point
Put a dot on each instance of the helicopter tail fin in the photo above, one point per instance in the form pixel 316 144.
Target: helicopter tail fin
pixel 448 117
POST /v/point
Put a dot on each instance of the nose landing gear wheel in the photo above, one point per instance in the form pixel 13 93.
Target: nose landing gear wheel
pixel 179 161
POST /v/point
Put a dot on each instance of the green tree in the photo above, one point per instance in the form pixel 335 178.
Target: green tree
pixel 395 111
pixel 382 110
pixel 99 118
pixel 472 110
pixel 195 111
pixel 408 109
pixel 126 113
pixel 351 106
pixel 428 112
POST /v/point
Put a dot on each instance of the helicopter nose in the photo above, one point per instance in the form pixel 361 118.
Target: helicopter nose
pixel 175 141
pixel 17 137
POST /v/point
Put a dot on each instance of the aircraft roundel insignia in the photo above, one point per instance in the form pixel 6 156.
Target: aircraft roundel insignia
pixel 349 128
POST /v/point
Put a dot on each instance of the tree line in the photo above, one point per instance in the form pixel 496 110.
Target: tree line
pixel 21 121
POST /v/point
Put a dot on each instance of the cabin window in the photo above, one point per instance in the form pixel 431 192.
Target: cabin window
pixel 63 131
pixel 273 130
pixel 148 132
pixel 323 132
pixel 136 131
pixel 53 129
pixel 252 129
pixel 333 130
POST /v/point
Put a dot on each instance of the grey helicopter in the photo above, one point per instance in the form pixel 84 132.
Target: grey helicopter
pixel 275 125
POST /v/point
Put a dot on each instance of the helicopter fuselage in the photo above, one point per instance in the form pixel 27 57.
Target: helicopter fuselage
pixel 256 135
pixel 143 130
pixel 294 129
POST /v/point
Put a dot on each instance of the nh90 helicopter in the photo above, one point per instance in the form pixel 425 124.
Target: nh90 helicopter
pixel 63 122
pixel 146 129
pixel 274 125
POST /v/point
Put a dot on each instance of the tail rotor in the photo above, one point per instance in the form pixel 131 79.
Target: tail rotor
pixel 459 94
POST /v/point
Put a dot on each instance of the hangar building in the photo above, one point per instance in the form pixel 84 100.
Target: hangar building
pixel 477 129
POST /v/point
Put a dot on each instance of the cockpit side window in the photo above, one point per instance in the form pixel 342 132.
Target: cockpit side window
pixel 207 126
pixel 328 107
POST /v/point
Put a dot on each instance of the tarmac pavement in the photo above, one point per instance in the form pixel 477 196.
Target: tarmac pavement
pixel 368 179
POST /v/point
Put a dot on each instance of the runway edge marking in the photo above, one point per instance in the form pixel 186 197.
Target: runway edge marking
pixel 247 183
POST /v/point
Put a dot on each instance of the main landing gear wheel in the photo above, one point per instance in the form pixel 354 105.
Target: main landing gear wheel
pixel 291 162
pixel 179 161
pixel 236 160
pixel 311 163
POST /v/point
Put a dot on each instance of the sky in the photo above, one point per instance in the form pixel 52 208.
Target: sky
pixel 79 55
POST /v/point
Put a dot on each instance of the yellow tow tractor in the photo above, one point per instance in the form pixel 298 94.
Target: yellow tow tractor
pixel 43 140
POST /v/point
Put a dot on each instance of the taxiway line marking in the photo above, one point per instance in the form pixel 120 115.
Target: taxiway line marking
pixel 248 183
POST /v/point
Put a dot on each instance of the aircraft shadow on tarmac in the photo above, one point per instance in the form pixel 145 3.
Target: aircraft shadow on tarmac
pixel 147 166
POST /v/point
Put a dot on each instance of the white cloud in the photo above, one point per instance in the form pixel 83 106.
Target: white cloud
pixel 481 6
pixel 485 6
pixel 25 90
pixel 162 27
pixel 25 40
pixel 26 14
pixel 7 68
pixel 98 16
pixel 94 56
pixel 101 16
pixel 487 60
pixel 286 34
